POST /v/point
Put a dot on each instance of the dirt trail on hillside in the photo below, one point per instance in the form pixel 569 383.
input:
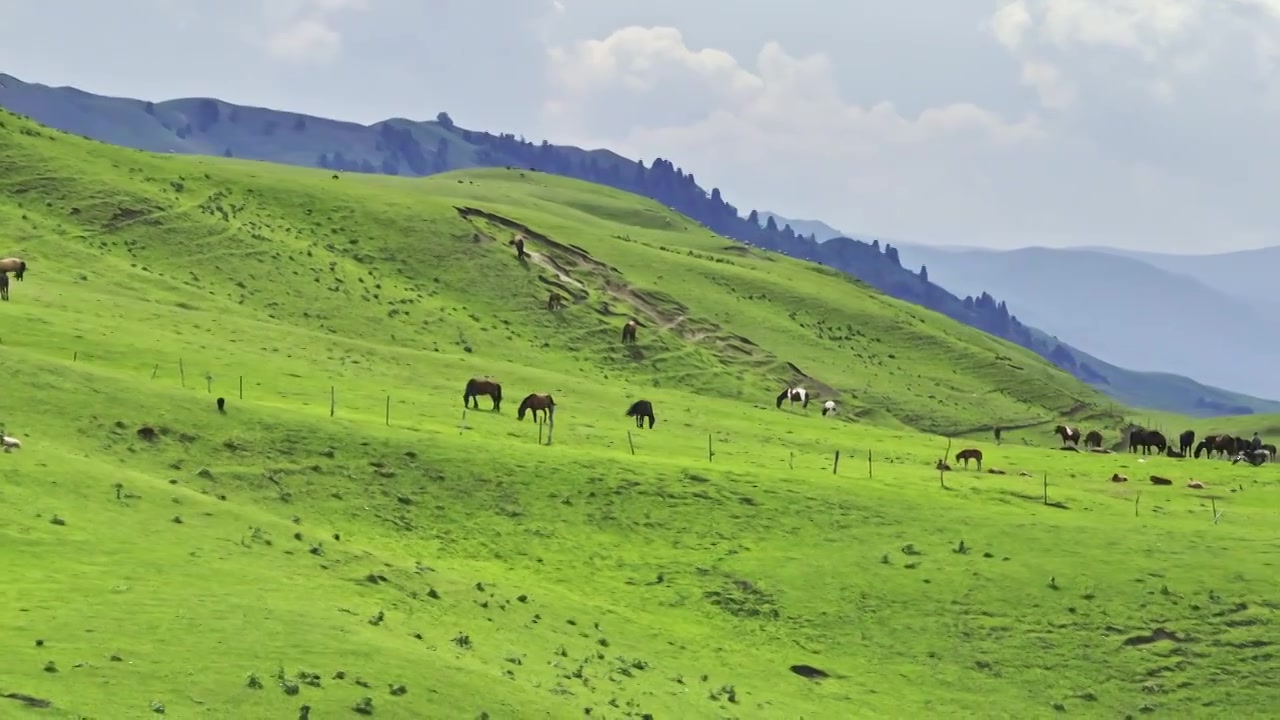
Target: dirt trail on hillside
pixel 563 261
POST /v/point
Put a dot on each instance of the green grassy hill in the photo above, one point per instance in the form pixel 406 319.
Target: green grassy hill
pixel 398 146
pixel 387 548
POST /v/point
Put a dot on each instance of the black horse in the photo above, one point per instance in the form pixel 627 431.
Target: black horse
pixel 640 410
pixel 1147 440
pixel 1186 441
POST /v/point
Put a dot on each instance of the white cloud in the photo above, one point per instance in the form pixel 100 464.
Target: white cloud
pixel 1054 90
pixel 1142 25
pixel 305 40
pixel 306 30
pixel 1141 122
pixel 1010 23
pixel 642 70
pixel 780 131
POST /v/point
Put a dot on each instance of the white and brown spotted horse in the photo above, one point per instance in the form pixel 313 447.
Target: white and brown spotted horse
pixel 794 394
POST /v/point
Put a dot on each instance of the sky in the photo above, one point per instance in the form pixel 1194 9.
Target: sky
pixel 1140 124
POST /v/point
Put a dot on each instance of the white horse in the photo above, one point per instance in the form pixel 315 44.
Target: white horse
pixel 9 443
pixel 793 394
pixel 829 407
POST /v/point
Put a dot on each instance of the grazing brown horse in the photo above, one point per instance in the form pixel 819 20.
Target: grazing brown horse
pixel 1093 439
pixel 629 332
pixel 1186 441
pixel 969 454
pixel 640 410
pixel 13 265
pixel 1068 434
pixel 537 403
pixel 4 287
pixel 1220 445
pixel 481 386
pixel 554 301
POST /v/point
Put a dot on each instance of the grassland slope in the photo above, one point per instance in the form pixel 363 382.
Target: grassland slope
pixel 402 147
pixel 429 260
pixel 371 552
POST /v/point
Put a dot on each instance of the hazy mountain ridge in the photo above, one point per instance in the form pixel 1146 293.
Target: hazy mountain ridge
pixel 403 147
pixel 816 228
pixel 1114 305
pixel 1245 274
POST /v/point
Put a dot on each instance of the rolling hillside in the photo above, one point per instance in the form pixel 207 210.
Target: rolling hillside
pixel 1098 319
pixel 403 147
pixel 749 320
pixel 345 541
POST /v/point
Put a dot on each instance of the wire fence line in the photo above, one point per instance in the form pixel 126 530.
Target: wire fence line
pixel 844 462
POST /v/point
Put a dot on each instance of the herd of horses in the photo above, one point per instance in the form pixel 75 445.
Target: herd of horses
pixel 1149 441
pixel 14 265
pixel 641 410
pixel 539 403
pixel 1154 441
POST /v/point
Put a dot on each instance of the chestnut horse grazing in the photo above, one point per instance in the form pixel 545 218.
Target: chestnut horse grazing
pixel 969 454
pixel 640 410
pixel 14 265
pixel 537 403
pixel 629 332
pixel 554 301
pixel 1068 434
pixel 1093 439
pixel 793 394
pixel 481 386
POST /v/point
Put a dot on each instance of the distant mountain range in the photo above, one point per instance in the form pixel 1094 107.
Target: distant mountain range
pixel 1178 314
pixel 1249 275
pixel 399 146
